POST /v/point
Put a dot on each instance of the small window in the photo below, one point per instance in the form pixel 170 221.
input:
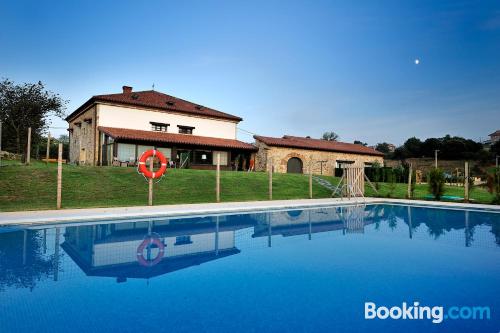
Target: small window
pixel 202 157
pixel 158 127
pixel 182 240
pixel 185 129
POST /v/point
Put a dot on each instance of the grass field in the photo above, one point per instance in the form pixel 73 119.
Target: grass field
pixel 34 187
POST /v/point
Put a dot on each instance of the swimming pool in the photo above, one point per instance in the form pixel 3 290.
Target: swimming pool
pixel 285 270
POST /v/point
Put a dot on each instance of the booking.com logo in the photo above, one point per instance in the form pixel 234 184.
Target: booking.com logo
pixel 416 311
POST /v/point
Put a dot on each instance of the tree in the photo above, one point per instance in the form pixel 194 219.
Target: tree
pixel 357 142
pixel 495 148
pixel 63 138
pixel 430 145
pixel 414 147
pixel 26 105
pixel 383 148
pixel 330 136
pixel 401 153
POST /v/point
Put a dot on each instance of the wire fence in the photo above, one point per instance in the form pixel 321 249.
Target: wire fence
pixel 35 186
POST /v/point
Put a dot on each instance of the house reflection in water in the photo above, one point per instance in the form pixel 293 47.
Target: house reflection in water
pixel 348 219
pixel 114 250
pixel 144 249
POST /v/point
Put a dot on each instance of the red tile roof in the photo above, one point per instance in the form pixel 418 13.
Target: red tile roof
pixel 156 100
pixel 496 133
pixel 184 139
pixel 317 144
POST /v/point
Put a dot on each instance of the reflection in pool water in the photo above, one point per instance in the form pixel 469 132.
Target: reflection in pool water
pixel 323 263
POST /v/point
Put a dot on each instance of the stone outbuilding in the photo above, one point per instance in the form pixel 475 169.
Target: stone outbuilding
pixel 292 154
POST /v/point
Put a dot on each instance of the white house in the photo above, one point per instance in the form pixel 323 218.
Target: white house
pixel 120 127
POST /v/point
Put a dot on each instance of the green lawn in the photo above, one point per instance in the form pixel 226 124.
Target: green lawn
pixel 476 194
pixel 34 187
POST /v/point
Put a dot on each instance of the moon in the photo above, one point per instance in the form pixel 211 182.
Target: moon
pixel 417 61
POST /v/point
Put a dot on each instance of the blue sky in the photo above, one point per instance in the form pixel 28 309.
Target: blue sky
pixel 286 67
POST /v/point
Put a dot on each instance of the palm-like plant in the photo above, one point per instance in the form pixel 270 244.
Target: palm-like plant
pixel 436 183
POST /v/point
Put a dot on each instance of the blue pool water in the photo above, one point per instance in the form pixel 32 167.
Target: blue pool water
pixel 283 271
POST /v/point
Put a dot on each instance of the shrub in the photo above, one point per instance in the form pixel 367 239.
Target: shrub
pixel 494 185
pixel 436 183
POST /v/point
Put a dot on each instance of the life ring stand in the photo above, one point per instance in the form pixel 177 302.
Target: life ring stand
pixel 147 242
pixel 143 168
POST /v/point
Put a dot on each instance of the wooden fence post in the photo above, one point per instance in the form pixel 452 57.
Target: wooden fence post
pixel 409 181
pixel 217 180
pixel 59 175
pixel 0 143
pixel 150 191
pixel 310 178
pixel 47 155
pixel 28 152
pixel 271 169
pixel 466 181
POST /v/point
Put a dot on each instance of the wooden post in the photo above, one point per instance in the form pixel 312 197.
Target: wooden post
pixel 409 181
pixel 217 179
pixel 310 179
pixel 150 191
pixel 28 152
pixel 59 175
pixel 47 155
pixel 466 181
pixel 271 167
pixel 0 143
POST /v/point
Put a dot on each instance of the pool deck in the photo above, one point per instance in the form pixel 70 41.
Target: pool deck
pixel 85 215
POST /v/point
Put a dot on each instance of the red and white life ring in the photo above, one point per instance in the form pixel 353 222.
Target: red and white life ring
pixel 143 168
pixel 147 242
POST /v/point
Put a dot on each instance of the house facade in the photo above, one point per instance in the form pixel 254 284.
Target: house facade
pixel 292 154
pixel 120 127
pixel 495 136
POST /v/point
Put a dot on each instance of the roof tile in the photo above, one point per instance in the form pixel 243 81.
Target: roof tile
pixel 187 139
pixel 317 144
pixel 156 100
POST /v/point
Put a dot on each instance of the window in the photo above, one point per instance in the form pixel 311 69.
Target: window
pixel 202 157
pixel 167 152
pixel 223 157
pixel 141 149
pixel 158 127
pixel 182 240
pixel 126 152
pixel 185 129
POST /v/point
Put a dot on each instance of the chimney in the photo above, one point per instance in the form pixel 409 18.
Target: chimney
pixel 127 89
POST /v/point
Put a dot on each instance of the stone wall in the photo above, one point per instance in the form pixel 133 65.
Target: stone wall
pixel 83 143
pixel 427 164
pixel 281 155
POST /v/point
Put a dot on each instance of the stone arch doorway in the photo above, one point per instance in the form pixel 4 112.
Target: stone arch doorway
pixel 294 165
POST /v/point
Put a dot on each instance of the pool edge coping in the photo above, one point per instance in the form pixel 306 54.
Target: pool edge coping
pixel 95 214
